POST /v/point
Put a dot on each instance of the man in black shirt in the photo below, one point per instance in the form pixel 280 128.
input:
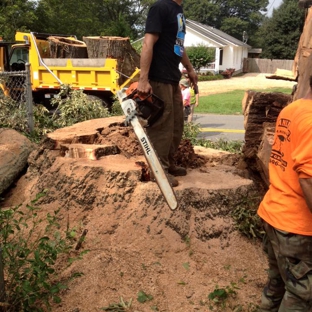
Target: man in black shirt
pixel 161 55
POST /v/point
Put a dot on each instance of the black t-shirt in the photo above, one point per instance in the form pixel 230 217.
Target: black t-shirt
pixel 166 18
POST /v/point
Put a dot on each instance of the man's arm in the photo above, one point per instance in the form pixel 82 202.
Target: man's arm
pixel 145 62
pixel 190 70
pixel 306 186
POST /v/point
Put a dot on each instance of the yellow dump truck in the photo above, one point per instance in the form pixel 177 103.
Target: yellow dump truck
pixel 95 76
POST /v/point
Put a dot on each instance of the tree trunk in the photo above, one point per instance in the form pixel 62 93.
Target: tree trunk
pixel 303 58
pixel 61 47
pixel 114 47
pixel 260 114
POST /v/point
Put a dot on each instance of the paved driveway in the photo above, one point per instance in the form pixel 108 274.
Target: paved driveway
pixel 215 127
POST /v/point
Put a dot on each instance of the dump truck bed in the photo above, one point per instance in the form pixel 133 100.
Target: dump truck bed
pixel 85 74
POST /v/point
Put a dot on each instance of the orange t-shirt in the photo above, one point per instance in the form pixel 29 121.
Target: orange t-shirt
pixel 284 206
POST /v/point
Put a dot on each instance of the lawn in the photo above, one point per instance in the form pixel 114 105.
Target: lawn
pixel 228 103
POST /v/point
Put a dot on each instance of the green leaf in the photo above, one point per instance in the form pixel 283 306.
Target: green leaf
pixel 143 297
pixel 186 265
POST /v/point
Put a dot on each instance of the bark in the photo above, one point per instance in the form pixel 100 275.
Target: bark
pixel 61 47
pixel 118 48
pixel 14 151
pixel 260 114
pixel 303 59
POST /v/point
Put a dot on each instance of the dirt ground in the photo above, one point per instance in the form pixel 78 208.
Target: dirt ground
pixel 138 249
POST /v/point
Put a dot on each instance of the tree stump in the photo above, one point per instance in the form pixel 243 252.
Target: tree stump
pixel 260 114
pixel 118 48
pixel 61 47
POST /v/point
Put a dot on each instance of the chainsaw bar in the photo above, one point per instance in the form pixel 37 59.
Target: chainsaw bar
pixel 129 109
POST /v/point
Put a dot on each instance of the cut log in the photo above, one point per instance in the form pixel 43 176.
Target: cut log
pixel 260 114
pixel 118 48
pixel 61 47
pixel 283 74
pixel 14 151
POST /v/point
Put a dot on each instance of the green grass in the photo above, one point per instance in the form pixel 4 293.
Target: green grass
pixel 228 103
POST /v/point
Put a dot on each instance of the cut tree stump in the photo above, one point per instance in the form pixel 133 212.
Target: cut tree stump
pixel 260 114
pixel 61 47
pixel 118 48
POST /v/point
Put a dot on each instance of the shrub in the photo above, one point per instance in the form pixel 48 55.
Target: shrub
pixel 210 77
pixel 31 245
pixel 75 106
pixel 200 56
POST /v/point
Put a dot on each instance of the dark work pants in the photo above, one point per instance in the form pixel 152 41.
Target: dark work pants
pixel 167 131
pixel 289 285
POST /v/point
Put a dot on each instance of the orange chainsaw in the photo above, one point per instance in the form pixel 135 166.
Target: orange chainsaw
pixel 149 107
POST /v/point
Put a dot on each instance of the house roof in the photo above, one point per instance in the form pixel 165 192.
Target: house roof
pixel 215 35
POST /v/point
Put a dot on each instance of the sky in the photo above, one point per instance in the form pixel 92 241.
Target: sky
pixel 273 4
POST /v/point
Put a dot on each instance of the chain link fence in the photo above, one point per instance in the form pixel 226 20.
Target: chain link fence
pixel 15 91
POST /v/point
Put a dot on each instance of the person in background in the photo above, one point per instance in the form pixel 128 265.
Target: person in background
pixel 186 98
pixel 194 95
pixel 286 211
pixel 194 101
pixel 162 52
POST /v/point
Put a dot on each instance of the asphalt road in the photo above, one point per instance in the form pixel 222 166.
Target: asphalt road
pixel 215 127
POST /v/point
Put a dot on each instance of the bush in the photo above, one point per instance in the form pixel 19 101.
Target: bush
pixel 210 77
pixel 13 115
pixel 200 56
pixel 75 106
pixel 72 106
pixel 31 245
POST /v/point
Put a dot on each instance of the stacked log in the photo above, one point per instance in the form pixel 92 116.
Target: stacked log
pixel 61 47
pixel 118 48
pixel 260 114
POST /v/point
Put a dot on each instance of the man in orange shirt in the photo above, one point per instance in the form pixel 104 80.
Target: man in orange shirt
pixel 286 211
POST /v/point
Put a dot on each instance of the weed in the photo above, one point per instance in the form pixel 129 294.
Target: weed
pixel 182 283
pixel 121 306
pixel 143 297
pixel 187 241
pixel 220 295
pixel 192 130
pixel 29 257
pixel 186 266
pixel 246 219
pixel 234 146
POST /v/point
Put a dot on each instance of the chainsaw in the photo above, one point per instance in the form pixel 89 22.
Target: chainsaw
pixel 141 112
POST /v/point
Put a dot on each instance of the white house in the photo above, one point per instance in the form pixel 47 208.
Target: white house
pixel 230 52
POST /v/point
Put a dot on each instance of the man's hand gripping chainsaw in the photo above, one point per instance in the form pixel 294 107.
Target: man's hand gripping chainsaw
pixel 146 110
